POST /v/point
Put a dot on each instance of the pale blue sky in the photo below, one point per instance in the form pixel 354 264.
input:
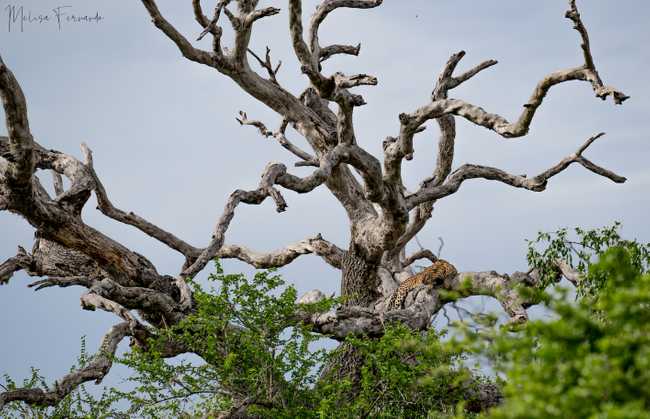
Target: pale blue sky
pixel 167 146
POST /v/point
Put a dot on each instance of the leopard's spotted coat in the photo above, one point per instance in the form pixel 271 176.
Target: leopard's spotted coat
pixel 434 274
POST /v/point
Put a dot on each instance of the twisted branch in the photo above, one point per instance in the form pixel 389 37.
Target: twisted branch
pixel 22 260
pixel 105 205
pixel 537 183
pixel 20 155
pixel 315 245
pixel 96 370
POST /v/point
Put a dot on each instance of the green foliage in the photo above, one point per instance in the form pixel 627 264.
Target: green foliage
pixel 251 352
pixel 580 250
pixel 593 360
pixel 405 374
pixel 249 349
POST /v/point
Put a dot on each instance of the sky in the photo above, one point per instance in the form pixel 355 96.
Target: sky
pixel 167 146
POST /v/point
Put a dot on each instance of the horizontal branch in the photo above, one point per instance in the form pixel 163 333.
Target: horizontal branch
pixel 360 321
pixel 62 282
pixel 501 287
pixel 331 50
pixel 537 183
pixel 316 245
pixel 506 288
pixel 158 307
pixel 352 320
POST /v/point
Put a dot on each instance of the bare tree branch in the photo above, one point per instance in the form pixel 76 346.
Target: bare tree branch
pixel 307 159
pixel 537 183
pixel 107 208
pixel 446 144
pixel 316 245
pixel 331 50
pixel 186 48
pixel 501 287
pixel 322 11
pixel 62 282
pixel 58 183
pixel 441 106
pixel 96 370
pixel 22 260
pixel 255 197
pixel 266 64
pixel 568 272
pixel 360 321
pixel 421 254
pixel 21 156
pixel 601 90
pixel 92 301
pixel 309 67
pixel 157 307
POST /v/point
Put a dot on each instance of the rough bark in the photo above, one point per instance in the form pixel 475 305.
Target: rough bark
pixel 359 280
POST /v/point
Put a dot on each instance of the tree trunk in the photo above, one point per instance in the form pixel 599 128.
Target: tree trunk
pixel 345 364
pixel 359 286
pixel 360 282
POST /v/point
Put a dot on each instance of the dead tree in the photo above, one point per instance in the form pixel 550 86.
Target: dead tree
pixel 383 215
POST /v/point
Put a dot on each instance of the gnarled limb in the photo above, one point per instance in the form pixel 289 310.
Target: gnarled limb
pixel 421 254
pixel 410 124
pixel 186 48
pixel 274 173
pixel 361 321
pixel 255 197
pixel 505 288
pixel 159 308
pixel 22 260
pixel 96 370
pixel 81 183
pixel 20 156
pixel 500 125
pixel 331 50
pixel 501 287
pixel 107 208
pixel 92 301
pixel 322 11
pixel 307 159
pixel 354 320
pixel 537 183
pixel 61 223
pixel 316 245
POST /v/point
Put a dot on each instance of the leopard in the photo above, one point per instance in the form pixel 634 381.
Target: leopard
pixel 437 273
